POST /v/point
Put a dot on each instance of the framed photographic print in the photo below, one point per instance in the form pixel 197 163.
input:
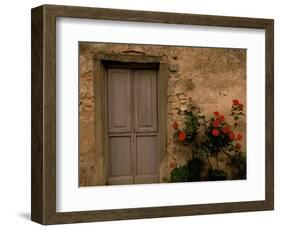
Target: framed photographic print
pixel 139 114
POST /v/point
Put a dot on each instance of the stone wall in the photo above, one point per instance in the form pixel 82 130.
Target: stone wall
pixel 212 77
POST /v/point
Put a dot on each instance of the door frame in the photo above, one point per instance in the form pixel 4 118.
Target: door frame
pixel 101 62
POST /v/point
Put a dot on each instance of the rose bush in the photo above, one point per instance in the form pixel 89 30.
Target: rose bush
pixel 219 136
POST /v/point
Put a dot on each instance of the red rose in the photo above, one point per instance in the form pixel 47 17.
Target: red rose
pixel 235 102
pixel 231 136
pixel 221 118
pixel 182 136
pixel 215 132
pixel 216 113
pixel 226 129
pixel 175 125
pixel 239 137
pixel 237 146
pixel 216 123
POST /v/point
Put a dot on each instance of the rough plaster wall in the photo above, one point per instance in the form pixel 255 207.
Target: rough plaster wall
pixel 212 77
pixel 87 122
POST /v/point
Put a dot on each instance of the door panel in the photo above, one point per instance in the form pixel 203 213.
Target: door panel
pixel 120 160
pixel 120 156
pixel 145 100
pixel 146 155
pixel 119 100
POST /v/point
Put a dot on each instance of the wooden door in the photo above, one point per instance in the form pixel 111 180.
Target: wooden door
pixel 132 121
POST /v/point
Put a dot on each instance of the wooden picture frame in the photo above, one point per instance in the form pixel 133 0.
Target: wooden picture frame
pixel 43 189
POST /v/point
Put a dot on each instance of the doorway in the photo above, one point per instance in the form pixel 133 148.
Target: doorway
pixel 132 125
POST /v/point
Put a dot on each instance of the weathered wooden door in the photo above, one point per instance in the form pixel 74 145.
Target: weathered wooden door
pixel 132 124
